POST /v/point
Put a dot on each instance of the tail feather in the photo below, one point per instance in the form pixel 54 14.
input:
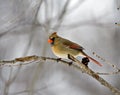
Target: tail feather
pixel 95 61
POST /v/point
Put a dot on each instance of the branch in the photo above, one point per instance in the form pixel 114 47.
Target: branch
pixel 77 64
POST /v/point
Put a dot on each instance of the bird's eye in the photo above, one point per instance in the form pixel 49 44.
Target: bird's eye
pixel 51 38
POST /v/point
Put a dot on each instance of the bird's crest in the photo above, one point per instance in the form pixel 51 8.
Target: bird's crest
pixel 54 34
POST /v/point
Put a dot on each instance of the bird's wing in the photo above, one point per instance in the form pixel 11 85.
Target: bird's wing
pixel 72 45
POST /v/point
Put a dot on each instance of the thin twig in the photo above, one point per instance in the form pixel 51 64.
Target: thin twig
pixel 112 65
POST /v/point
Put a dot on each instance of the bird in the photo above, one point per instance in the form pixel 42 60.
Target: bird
pixel 62 47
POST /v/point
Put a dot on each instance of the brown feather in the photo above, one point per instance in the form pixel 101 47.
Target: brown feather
pixel 72 45
pixel 95 61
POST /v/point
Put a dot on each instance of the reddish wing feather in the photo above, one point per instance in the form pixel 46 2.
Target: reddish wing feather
pixel 75 46
pixel 72 45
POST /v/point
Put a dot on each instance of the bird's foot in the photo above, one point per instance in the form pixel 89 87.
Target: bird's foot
pixel 70 63
pixel 58 59
pixel 85 61
pixel 71 57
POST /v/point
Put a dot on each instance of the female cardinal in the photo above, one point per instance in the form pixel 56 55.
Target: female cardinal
pixel 62 48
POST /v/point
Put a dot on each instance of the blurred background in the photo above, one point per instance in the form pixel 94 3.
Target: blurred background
pixel 24 29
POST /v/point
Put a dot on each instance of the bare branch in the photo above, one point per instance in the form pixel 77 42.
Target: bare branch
pixel 77 64
pixel 62 15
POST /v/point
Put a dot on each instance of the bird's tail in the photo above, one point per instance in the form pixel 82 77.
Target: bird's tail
pixel 95 61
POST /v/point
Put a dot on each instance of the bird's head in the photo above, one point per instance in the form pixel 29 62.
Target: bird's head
pixel 52 38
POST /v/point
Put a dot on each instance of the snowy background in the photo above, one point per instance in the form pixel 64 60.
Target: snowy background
pixel 24 29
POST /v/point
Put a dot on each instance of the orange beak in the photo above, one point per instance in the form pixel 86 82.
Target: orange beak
pixel 50 41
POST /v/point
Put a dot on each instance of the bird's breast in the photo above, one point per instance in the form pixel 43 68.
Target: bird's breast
pixel 62 52
pixel 59 53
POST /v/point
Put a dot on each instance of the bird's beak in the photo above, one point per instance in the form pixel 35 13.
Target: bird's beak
pixel 50 41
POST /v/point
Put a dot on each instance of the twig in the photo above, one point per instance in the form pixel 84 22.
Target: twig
pixel 112 65
pixel 96 76
pixel 77 64
pixel 110 73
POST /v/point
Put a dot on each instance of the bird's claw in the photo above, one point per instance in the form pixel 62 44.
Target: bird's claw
pixel 70 63
pixel 71 57
pixel 58 59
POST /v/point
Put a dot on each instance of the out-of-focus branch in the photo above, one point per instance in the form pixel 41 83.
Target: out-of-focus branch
pixel 62 15
pixel 77 65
